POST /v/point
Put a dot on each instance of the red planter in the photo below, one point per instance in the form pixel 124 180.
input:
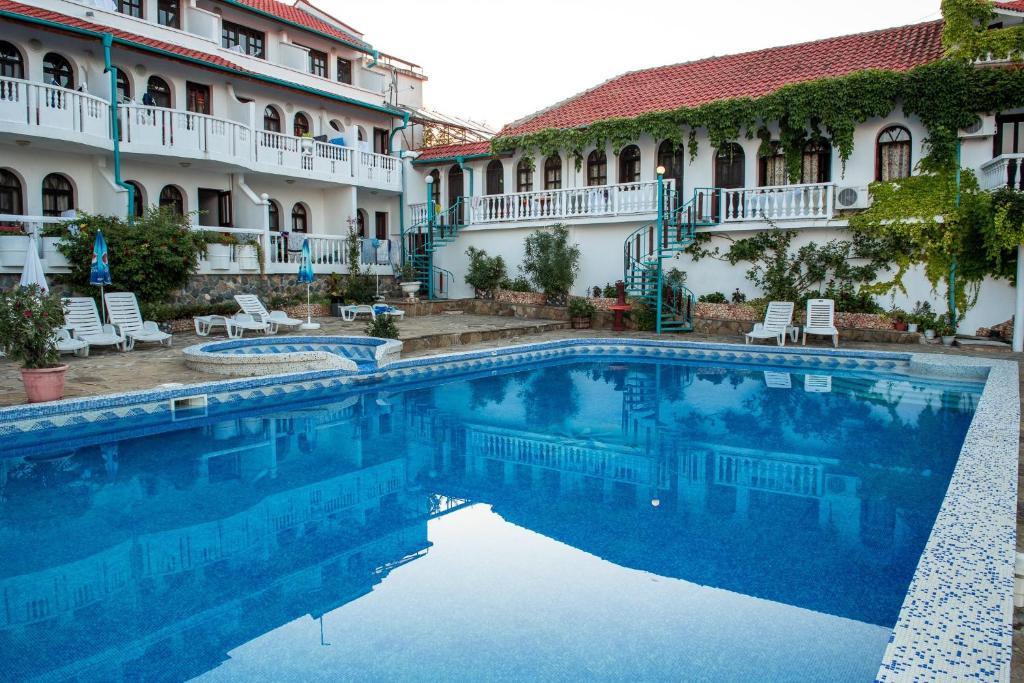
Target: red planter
pixel 900 327
pixel 45 384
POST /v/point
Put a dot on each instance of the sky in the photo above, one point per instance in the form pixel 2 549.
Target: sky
pixel 496 62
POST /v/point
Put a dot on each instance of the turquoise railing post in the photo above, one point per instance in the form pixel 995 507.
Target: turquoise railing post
pixel 659 237
pixel 428 243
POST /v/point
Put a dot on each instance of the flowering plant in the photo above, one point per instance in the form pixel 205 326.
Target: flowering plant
pixel 29 320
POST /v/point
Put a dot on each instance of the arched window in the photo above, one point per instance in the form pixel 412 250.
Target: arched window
pixel 435 187
pixel 670 157
pixel 495 177
pixel 159 92
pixel 58 195
pixel 300 218
pixel 138 200
pixel 597 168
pixel 524 175
pixel 124 86
pixel 11 63
pixel 892 156
pixel 271 120
pixel 10 193
pixel 553 172
pixel 171 197
pixel 816 166
pixel 274 216
pixel 629 165
pixel 771 166
pixel 301 125
pixel 361 223
pixel 57 71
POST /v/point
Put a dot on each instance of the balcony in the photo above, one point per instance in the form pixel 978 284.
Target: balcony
pixel 1006 170
pixel 53 112
pixel 281 253
pixel 814 201
pixel 69 116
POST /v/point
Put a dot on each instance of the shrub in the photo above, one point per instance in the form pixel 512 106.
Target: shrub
pixel 642 315
pixel 581 308
pixel 383 326
pixel 610 292
pixel 520 284
pixel 159 312
pixel 551 263
pixel 360 289
pixel 738 297
pixel 29 320
pixel 712 298
pixel 152 256
pixel 485 273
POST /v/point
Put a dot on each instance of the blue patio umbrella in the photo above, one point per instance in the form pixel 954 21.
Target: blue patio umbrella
pixel 99 272
pixel 306 276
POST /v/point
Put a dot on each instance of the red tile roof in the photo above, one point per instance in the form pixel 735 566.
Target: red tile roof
pixel 297 15
pixel 1015 5
pixel 463 149
pixel 75 22
pixel 750 74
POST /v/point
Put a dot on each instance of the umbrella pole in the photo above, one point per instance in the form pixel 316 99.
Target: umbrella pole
pixel 103 307
pixel 309 313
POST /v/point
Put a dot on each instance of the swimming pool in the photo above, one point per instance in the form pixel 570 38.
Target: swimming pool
pixel 603 515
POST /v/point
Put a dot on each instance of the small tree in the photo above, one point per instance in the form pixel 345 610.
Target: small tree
pixel 485 273
pixel 551 262
pixel 29 321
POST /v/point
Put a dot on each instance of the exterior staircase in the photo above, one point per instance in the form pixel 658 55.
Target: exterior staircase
pixel 647 248
pixel 425 238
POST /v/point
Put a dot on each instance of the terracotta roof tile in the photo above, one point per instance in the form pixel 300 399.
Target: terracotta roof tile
pixel 464 149
pixel 750 74
pixel 297 15
pixel 1015 5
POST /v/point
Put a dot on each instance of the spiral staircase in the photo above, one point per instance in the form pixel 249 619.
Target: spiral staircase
pixel 425 238
pixel 648 247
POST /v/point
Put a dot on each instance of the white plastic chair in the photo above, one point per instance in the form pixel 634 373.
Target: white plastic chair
pixel 821 320
pixel 82 316
pixel 123 312
pixel 66 343
pixel 252 306
pixel 777 320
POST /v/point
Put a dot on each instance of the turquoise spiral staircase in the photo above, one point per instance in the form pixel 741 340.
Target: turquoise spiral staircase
pixel 423 239
pixel 648 247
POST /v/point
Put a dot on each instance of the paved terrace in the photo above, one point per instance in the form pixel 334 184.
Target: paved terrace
pixel 108 371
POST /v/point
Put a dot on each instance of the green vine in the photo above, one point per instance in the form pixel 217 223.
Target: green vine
pixel 946 95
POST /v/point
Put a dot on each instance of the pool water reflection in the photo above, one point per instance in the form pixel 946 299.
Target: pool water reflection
pixel 574 520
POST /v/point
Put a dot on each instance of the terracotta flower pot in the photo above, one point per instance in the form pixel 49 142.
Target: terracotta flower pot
pixel 44 384
pixel 581 323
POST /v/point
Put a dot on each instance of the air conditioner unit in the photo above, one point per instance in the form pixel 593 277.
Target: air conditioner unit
pixel 983 127
pixel 852 198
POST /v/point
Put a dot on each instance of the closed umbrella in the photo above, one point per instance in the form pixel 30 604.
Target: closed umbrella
pixel 32 274
pixel 99 273
pixel 306 276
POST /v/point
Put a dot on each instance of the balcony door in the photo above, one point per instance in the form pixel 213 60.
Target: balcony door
pixel 729 175
pixel 1010 140
pixel 197 98
pixel 380 140
pixel 455 191
pixel 215 208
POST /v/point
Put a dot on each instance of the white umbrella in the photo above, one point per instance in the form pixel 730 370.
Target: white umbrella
pixel 33 271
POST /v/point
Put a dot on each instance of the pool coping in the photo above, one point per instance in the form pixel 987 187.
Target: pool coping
pixel 956 619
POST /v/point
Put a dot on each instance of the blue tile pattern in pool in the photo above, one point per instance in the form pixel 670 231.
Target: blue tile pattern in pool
pixel 597 510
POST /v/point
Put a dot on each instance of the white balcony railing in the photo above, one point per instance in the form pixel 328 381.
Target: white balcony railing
pixel 53 110
pixel 185 134
pixel 778 203
pixel 582 202
pixel 417 213
pixel 1006 170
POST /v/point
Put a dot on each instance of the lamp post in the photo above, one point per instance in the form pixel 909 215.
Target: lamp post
pixel 660 238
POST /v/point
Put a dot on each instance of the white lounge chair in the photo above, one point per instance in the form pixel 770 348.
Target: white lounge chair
pixel 388 309
pixel 123 313
pixel 821 319
pixel 240 322
pixel 66 343
pixel 251 305
pixel 776 323
pixel 349 313
pixel 83 318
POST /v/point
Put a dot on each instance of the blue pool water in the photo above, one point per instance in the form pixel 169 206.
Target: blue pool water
pixel 613 520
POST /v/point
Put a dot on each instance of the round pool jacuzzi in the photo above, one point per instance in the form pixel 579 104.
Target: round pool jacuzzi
pixel 277 355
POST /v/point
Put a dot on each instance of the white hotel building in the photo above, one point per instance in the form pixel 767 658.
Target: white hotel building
pixel 215 99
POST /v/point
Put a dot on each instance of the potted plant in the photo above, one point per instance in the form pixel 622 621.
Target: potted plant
pixel 899 320
pixel 29 320
pixel 249 252
pixel 410 285
pixel 13 246
pixel 336 293
pixel 948 333
pixel 52 237
pixel 307 143
pixel 218 249
pixel 581 311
